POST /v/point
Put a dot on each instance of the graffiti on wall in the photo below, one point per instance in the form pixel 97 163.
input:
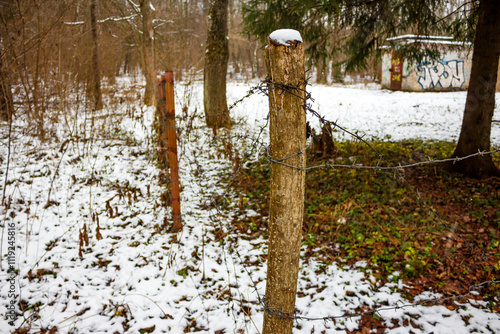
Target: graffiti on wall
pixel 444 74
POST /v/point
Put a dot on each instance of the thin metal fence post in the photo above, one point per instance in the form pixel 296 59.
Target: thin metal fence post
pixel 172 150
pixel 162 134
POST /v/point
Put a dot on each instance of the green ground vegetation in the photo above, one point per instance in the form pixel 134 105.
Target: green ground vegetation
pixel 434 228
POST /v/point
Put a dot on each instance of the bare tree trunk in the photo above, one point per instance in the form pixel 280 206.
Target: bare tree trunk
pixel 476 125
pixel 285 67
pixel 95 69
pixel 322 70
pixel 39 115
pixel 6 103
pixel 216 58
pixel 148 53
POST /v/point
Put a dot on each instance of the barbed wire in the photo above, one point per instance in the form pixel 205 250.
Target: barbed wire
pixel 300 91
pixel 382 165
pixel 471 291
pixel 262 88
pixel 378 167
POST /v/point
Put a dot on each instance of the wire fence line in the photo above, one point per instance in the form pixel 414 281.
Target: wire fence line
pixel 257 143
pixel 263 88
pixel 300 91
pixel 378 167
pixel 473 290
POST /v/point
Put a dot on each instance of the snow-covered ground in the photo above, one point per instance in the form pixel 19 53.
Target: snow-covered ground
pixel 379 113
pixel 102 187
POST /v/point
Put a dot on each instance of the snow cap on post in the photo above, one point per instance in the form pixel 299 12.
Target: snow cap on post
pixel 285 37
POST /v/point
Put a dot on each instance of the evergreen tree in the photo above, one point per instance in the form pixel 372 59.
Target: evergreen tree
pixel 317 23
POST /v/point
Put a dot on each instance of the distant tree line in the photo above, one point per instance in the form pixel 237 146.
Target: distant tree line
pixel 53 49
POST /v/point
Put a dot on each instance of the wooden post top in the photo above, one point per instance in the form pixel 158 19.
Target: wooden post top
pixel 285 37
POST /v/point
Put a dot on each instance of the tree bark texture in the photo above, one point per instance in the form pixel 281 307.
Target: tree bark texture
pixel 285 66
pixel 476 125
pixel 216 58
pixel 148 58
pixel 95 69
pixel 6 102
pixel 322 70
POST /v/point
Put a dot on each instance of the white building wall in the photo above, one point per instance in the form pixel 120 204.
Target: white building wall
pixel 386 66
pixel 451 72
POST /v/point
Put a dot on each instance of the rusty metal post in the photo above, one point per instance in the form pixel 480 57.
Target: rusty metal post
pixel 162 134
pixel 172 150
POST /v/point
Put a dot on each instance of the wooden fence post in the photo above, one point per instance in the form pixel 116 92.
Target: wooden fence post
pixel 285 68
pixel 171 134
